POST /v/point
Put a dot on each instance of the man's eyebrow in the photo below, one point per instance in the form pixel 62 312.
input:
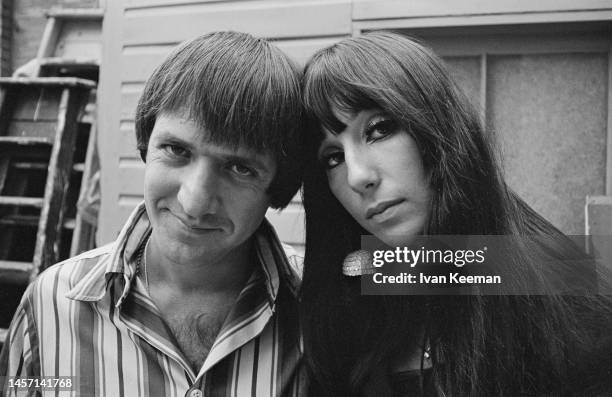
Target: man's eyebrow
pixel 168 136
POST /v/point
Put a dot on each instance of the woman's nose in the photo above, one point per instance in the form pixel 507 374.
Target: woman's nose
pixel 362 175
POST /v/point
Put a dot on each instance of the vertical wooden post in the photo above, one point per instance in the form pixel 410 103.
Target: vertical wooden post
pixel 6 37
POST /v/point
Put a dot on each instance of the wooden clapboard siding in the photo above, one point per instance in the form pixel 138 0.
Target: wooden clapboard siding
pixel 125 205
pixel 135 4
pixel 384 9
pixel 139 34
pixel 131 177
pixel 302 49
pixel 286 19
pixel 130 93
pixel 109 101
pixel 137 63
pixel 127 141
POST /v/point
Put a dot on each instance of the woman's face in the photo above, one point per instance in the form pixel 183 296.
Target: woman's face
pixel 374 169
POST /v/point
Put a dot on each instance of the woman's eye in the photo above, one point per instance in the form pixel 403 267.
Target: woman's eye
pixel 242 170
pixel 379 129
pixel 333 159
pixel 175 150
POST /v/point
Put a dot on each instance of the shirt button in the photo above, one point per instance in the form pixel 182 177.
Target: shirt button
pixel 195 393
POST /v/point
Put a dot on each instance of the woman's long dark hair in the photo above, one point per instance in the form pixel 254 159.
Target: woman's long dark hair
pixel 481 345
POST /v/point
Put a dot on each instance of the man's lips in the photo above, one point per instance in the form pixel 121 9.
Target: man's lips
pixel 381 207
pixel 207 224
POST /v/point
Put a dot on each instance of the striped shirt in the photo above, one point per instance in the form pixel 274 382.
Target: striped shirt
pixel 92 318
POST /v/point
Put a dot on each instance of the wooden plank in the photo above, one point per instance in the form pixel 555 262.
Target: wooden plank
pixel 127 142
pixel 6 36
pixel 16 190
pixel 380 9
pixel 79 38
pixel 131 178
pixel 96 14
pixel 30 221
pixel 137 64
pixel 47 81
pixel 25 140
pixel 109 108
pixel 133 4
pixel 36 103
pixel 32 129
pixel 4 167
pixel 35 202
pixel 19 220
pixel 126 205
pixel 49 38
pixel 472 41
pixel 609 129
pixel 598 222
pixel 15 272
pixel 69 224
pixel 283 19
pixel 58 178
pixel 130 94
pixel 79 62
pixel 599 215
pixel 481 20
pixel 25 165
pixel 483 89
pixel 7 101
pixel 83 235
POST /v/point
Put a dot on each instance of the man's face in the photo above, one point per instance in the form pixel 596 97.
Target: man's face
pixel 203 200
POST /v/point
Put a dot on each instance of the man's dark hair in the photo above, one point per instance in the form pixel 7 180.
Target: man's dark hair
pixel 244 91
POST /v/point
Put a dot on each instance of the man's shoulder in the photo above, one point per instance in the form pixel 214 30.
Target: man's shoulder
pixel 66 274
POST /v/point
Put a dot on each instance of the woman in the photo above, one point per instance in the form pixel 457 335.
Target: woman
pixel 396 151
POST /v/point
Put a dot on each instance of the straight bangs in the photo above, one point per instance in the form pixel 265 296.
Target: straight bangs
pixel 357 75
pixel 243 93
pixel 327 87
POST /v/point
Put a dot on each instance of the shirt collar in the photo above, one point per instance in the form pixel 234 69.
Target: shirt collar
pixel 123 256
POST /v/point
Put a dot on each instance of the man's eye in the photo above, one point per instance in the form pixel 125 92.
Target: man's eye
pixel 379 129
pixel 242 170
pixel 333 159
pixel 175 150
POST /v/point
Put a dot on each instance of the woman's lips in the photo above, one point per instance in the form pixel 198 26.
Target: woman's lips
pixel 380 210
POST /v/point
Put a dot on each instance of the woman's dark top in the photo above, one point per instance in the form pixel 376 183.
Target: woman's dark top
pixel 400 384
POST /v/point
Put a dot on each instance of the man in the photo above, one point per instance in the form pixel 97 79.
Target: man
pixel 196 297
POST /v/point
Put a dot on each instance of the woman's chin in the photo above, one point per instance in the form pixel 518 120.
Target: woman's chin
pixel 399 236
pixel 397 240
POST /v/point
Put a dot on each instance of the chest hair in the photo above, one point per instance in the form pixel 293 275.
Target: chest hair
pixel 195 333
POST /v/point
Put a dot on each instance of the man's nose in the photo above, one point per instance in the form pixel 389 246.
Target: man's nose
pixel 362 174
pixel 199 191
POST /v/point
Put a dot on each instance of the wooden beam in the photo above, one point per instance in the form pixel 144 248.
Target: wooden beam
pixel 6 37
